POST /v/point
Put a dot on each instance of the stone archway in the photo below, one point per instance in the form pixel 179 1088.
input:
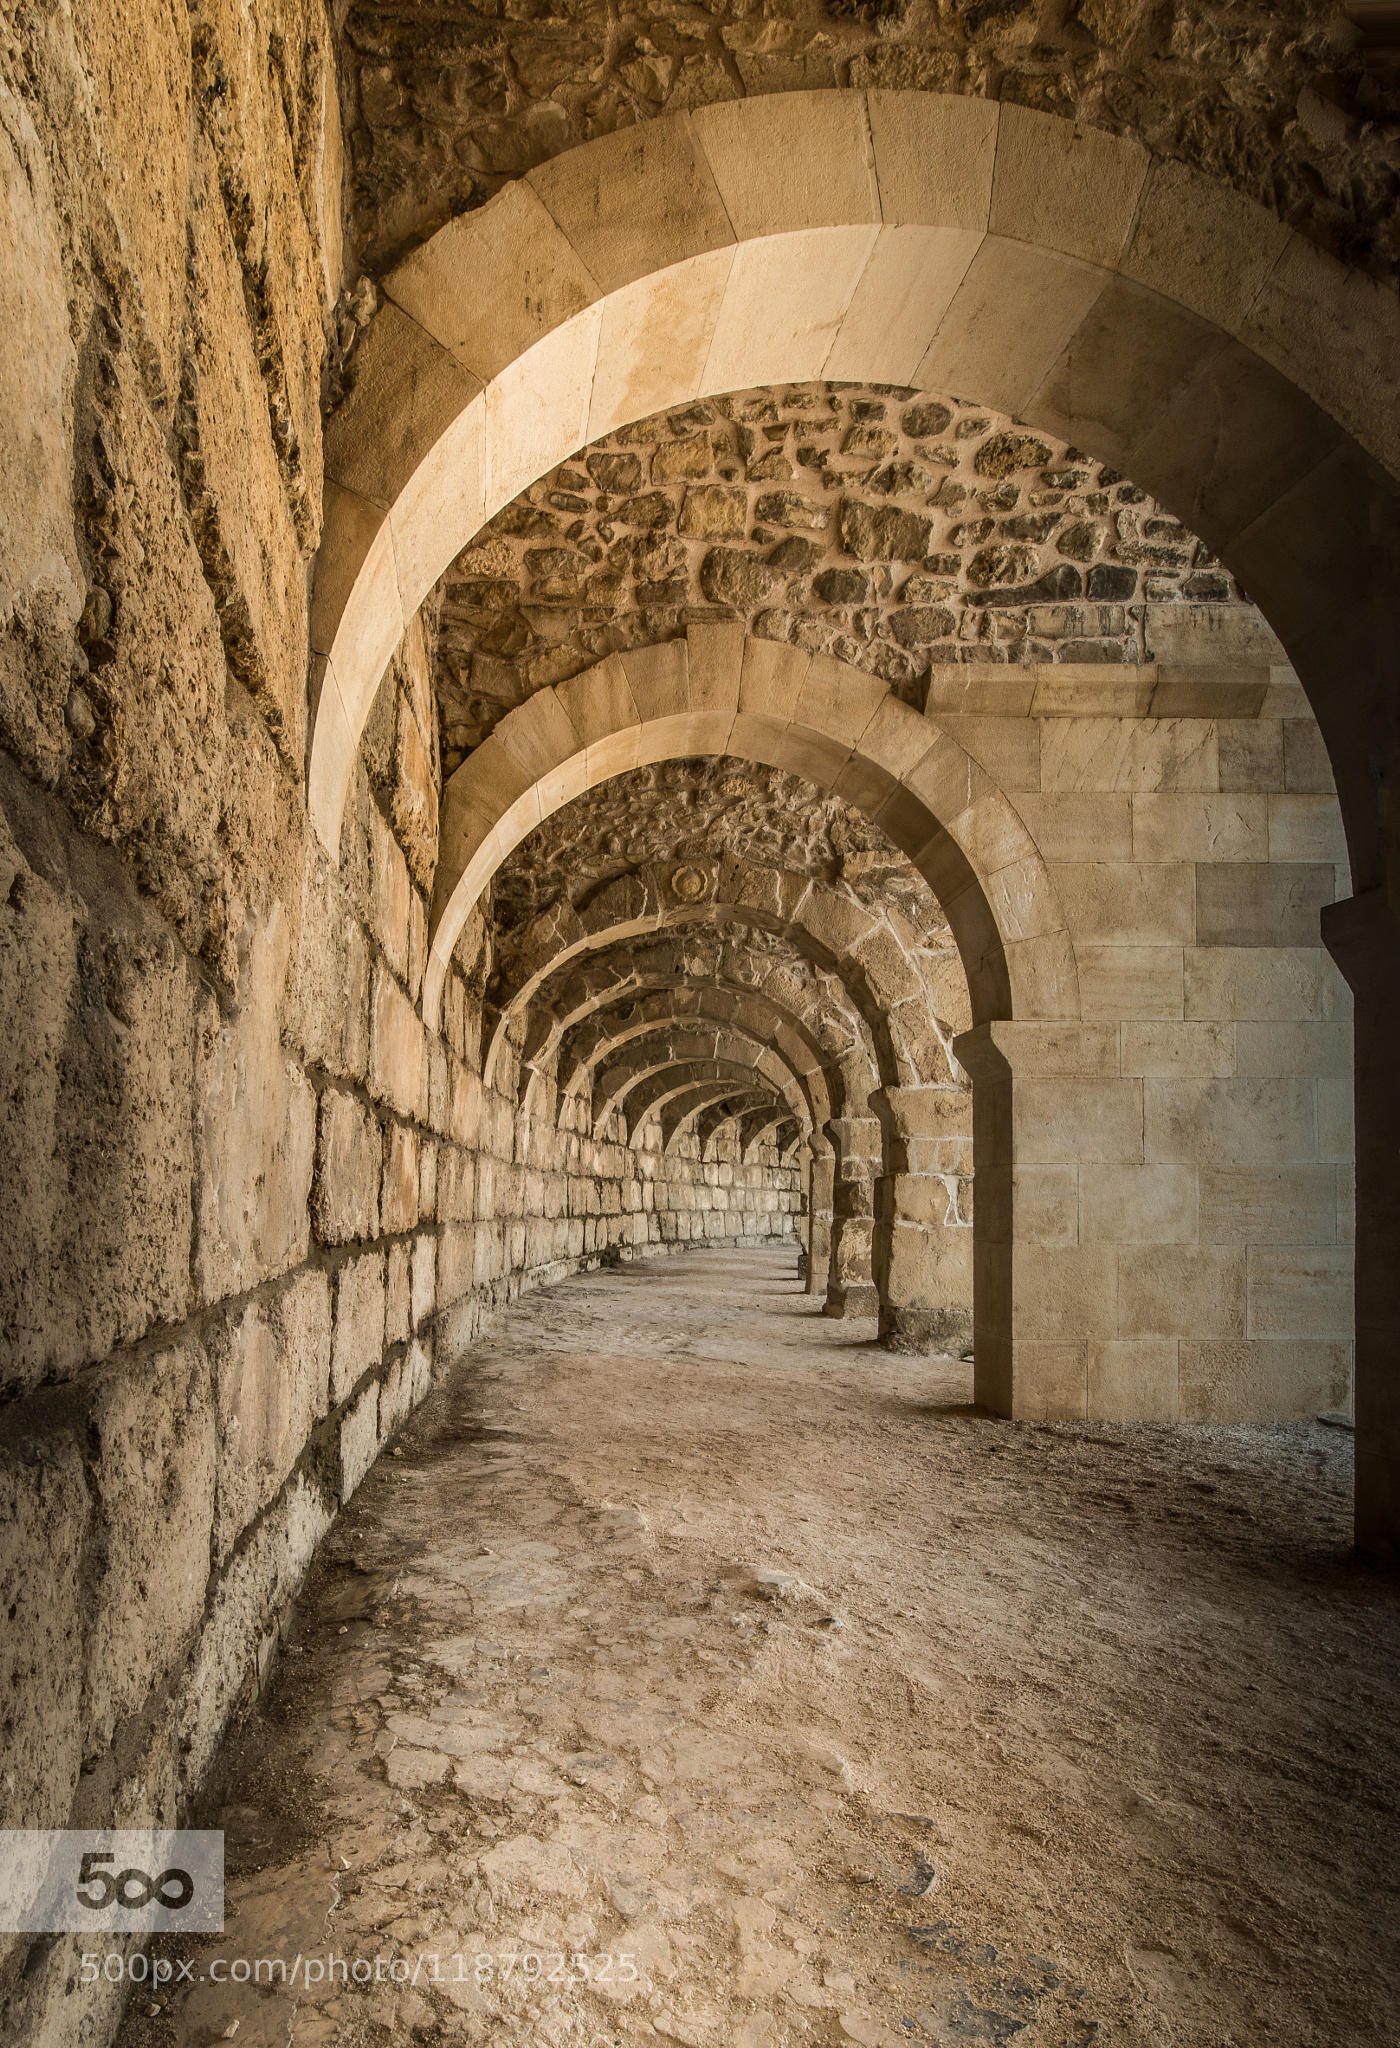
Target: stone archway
pixel 658 1040
pixel 1152 316
pixel 718 692
pixel 1178 332
pixel 906 1042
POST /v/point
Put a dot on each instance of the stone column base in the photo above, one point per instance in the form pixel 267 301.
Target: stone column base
pixel 859 1299
pixel 921 1330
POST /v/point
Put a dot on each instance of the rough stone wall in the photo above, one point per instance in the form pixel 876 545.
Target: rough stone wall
pixel 244 1191
pixel 707 809
pixel 1284 102
pixel 892 529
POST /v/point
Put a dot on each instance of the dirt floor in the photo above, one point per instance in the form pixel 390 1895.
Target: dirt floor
pixel 746 1688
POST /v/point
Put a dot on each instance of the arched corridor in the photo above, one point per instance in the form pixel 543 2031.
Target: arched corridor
pixel 698 720
pixel 686 1625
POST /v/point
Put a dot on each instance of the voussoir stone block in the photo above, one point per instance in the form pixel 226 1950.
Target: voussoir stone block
pixel 791 160
pixel 407 390
pixel 1202 243
pixel 491 282
pixel 592 194
pixel 935 154
pixel 1064 186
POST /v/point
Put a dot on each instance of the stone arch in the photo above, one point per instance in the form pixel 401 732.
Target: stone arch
pixel 615 923
pixel 720 692
pixel 754 1126
pixel 641 1090
pixel 1065 276
pixel 582 1041
pixel 889 1061
pixel 756 1123
pixel 1062 274
pixel 598 983
pixel 659 1051
pixel 629 1036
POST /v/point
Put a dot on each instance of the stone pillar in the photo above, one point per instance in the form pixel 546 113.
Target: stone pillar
pixel 1121 1272
pixel 923 1236
pixel 1362 934
pixel 1047 1099
pixel 821 1176
pixel 850 1289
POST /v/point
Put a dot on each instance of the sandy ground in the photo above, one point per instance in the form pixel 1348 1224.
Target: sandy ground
pixel 691 1630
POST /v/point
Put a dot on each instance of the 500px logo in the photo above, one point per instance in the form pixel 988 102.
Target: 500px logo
pixel 111 1880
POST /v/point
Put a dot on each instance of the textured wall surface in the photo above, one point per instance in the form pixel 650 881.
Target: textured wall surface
pixel 246 1193
pixel 1283 102
pixel 891 529
pixel 252 1199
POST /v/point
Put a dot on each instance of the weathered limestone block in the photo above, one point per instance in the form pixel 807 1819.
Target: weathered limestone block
pixel 1120 981
pixel 424 1280
pixel 243 522
pixel 414 804
pixel 1269 1205
pixel 1231 1122
pixel 1263 984
pixel 395 1397
pixel 1276 903
pixel 1300 1291
pixel 39 564
pixel 390 893
pixel 397 1290
pixel 345 1205
pixel 427 1179
pixel 360 1321
pixel 328 987
pixel 1182 1291
pixel 1126 754
pixel 1132 1204
pixel 398 1202
pixel 1270 1380
pixel 1133 1380
pixel 1131 901
pixel 1307 828
pixel 96 1057
pixel 248 1602
pixel 1084 1119
pixel 271 1359
pixel 1067 1293
pixel 359 1440
pixel 1168 1048
pixel 151 1435
pixel 256 1135
pixel 456 1273
pixel 924 1276
pixel 398 1055
pixel 45 1517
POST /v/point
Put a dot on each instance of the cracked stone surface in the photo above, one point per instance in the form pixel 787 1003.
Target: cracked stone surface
pixel 686 1625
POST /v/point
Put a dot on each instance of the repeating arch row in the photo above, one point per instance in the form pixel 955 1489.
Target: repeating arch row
pixel 675 1051
pixel 593 956
pixel 583 1042
pixel 1128 304
pixel 719 692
